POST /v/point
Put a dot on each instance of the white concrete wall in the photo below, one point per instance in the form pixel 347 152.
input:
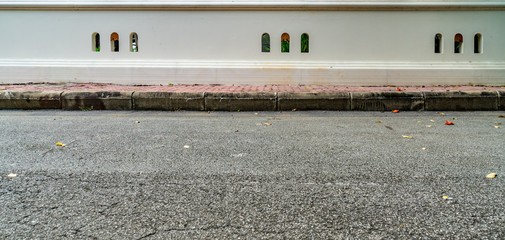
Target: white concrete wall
pixel 224 47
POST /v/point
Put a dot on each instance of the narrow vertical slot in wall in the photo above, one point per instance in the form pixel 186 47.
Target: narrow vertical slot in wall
pixel 477 43
pixel 438 43
pixel 114 42
pixel 134 42
pixel 304 40
pixel 95 42
pixel 458 43
pixel 285 43
pixel 265 42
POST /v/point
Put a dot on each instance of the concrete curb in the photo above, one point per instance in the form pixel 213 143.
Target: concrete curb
pixel 171 101
pixel 387 101
pixel 255 101
pixel 96 100
pixel 30 100
pixel 501 100
pixel 313 101
pixel 461 101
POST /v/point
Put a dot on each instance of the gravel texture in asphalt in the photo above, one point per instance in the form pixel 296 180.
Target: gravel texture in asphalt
pixel 251 175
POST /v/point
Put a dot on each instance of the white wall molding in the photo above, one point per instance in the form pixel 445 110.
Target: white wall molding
pixel 251 73
pixel 251 6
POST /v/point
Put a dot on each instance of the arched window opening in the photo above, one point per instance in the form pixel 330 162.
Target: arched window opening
pixel 285 43
pixel 458 43
pixel 95 42
pixel 438 43
pixel 134 42
pixel 265 42
pixel 477 43
pixel 304 43
pixel 114 42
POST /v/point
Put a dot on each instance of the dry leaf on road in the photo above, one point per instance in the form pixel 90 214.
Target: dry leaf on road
pixel 12 175
pixel 267 124
pixel 449 122
pixel 61 144
pixel 396 111
pixel 491 175
pixel 405 136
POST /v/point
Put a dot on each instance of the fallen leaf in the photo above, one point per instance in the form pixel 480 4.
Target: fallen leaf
pixel 497 123
pixel 491 175
pixel 423 148
pixel 396 111
pixel 255 113
pixel 447 122
pixel 432 120
pixel 293 110
pixel 399 89
pixel 61 144
pixel 137 121
pixel 12 175
pixel 378 121
pixel 497 126
pixel 445 197
pixel 441 113
pixel 428 125
pixel 186 146
pixel 267 124
pixel 236 130
pixel 405 136
pixel 388 127
pixel 419 121
pixel 501 116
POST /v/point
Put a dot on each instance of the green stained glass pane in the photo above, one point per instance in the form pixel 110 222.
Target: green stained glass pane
pixel 265 43
pixel 305 43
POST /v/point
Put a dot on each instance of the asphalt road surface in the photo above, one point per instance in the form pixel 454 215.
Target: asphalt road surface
pixel 247 175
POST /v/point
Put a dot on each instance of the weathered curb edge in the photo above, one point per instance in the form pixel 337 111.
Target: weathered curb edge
pixel 501 100
pixel 252 101
pixel 461 101
pixel 170 101
pixel 30 100
pixel 313 101
pixel 387 101
pixel 96 100
pixel 255 101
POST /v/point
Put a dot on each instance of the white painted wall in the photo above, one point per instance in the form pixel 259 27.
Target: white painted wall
pixel 224 47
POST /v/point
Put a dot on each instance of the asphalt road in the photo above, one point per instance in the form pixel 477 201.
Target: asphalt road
pixel 247 175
